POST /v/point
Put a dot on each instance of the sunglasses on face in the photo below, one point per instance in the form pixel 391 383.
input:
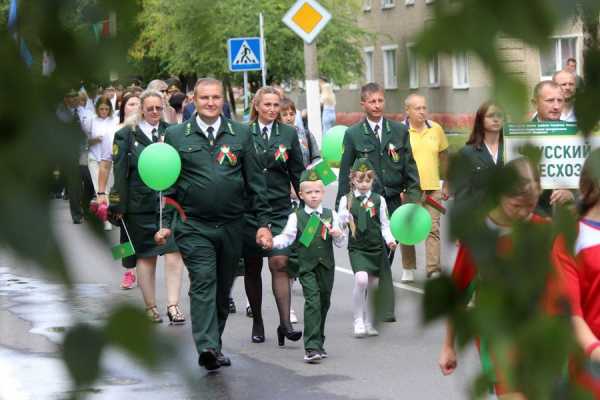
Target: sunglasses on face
pixel 154 109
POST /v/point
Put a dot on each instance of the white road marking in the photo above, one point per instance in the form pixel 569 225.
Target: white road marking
pixel 396 284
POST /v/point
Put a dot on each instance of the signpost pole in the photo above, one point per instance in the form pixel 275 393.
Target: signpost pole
pixel 245 91
pixel 313 104
pixel 263 49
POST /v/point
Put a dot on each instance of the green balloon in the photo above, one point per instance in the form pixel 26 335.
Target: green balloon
pixel 410 224
pixel 159 166
pixel 332 146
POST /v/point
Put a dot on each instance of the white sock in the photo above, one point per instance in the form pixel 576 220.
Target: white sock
pixel 359 298
pixel 370 307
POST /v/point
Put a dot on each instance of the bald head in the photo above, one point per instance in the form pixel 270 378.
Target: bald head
pixel 416 110
pixel 567 82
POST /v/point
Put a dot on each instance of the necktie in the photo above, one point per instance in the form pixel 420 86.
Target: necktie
pixel 265 134
pixel 76 115
pixel 376 131
pixel 211 136
pixel 154 136
pixel 362 214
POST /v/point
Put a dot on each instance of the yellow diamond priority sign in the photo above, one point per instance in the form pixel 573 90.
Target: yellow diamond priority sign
pixel 307 18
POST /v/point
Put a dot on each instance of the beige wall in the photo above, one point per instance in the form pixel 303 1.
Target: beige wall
pixel 398 26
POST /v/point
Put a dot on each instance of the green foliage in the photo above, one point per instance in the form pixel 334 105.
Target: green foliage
pixel 171 31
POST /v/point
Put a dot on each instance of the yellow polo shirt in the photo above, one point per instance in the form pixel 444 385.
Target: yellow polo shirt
pixel 426 147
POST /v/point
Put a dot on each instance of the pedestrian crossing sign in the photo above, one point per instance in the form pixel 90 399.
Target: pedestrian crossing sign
pixel 245 54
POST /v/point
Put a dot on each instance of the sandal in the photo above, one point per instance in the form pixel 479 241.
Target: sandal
pixel 176 317
pixel 153 314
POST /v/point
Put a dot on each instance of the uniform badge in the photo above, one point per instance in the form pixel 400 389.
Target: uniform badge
pixel 325 227
pixel 188 129
pixel 281 153
pixel 115 150
pixel 226 153
pixel 393 152
pixel 369 207
pixel 114 198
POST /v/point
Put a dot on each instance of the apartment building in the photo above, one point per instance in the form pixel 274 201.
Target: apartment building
pixel 454 84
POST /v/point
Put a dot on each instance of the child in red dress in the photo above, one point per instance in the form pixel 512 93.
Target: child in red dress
pixel 513 207
pixel 581 275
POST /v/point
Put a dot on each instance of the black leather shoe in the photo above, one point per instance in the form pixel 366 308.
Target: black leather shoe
pixel 312 357
pixel 290 333
pixel 77 221
pixel 232 308
pixel 222 360
pixel 209 360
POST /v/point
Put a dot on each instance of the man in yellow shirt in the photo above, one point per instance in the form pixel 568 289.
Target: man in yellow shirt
pixel 430 151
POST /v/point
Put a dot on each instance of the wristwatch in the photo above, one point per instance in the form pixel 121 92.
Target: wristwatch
pixel 101 193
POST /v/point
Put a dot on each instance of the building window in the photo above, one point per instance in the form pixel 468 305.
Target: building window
pixel 433 68
pixel 460 70
pixel 409 2
pixel 367 5
pixel 368 64
pixel 413 67
pixel 390 74
pixel 429 1
pixel 388 4
pixel 555 56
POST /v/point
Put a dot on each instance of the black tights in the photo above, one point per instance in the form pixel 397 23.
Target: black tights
pixel 280 281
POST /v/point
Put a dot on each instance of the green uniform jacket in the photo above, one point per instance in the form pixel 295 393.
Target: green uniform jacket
pixel 129 194
pixel 470 177
pixel 320 252
pixel 214 180
pixel 280 159
pixel 392 159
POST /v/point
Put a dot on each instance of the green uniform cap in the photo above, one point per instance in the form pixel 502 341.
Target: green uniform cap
pixel 309 175
pixel 362 165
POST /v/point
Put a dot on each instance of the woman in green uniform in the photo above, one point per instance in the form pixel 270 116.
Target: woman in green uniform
pixel 280 156
pixel 137 205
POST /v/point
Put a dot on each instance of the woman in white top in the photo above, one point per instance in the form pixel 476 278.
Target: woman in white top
pixel 100 127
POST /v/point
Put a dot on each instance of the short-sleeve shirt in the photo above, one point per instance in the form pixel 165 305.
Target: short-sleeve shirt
pixel 426 147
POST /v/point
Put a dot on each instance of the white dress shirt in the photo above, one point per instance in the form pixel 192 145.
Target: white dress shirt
pixel 97 127
pixel 374 124
pixel 147 128
pixel 204 126
pixel 289 233
pixel 345 215
pixel 261 126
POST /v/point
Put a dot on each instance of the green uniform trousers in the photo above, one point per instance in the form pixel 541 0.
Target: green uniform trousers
pixel 386 298
pixel 210 253
pixel 316 287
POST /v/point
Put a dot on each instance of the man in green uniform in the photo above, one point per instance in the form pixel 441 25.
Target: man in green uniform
pixel 387 146
pixel 218 165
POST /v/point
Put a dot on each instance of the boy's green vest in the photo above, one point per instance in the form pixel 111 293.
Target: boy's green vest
pixel 320 251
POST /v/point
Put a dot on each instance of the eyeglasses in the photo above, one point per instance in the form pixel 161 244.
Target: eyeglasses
pixel 154 109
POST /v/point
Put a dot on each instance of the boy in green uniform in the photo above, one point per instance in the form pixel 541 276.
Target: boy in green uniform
pixel 314 228
pixel 218 166
pixel 386 144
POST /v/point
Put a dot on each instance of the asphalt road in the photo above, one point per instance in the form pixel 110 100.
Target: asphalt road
pixel 401 363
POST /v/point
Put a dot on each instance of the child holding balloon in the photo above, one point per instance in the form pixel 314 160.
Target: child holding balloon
pixel 366 215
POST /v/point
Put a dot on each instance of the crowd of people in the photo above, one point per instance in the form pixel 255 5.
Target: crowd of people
pixel 250 191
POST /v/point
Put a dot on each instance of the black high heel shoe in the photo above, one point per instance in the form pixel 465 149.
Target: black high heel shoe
pixel 258 332
pixel 289 333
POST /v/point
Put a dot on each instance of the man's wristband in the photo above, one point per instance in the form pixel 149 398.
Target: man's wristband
pixel 101 193
pixel 590 349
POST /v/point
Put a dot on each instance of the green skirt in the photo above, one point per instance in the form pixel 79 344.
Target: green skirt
pixel 141 228
pixel 370 261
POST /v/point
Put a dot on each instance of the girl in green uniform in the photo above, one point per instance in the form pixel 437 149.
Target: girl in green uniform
pixel 366 214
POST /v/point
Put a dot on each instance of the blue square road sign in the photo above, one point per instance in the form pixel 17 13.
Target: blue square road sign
pixel 244 54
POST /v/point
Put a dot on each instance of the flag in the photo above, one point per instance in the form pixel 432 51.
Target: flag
pixel 310 230
pixel 13 29
pixel 325 172
pixel 435 204
pixel 172 203
pixel 122 250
